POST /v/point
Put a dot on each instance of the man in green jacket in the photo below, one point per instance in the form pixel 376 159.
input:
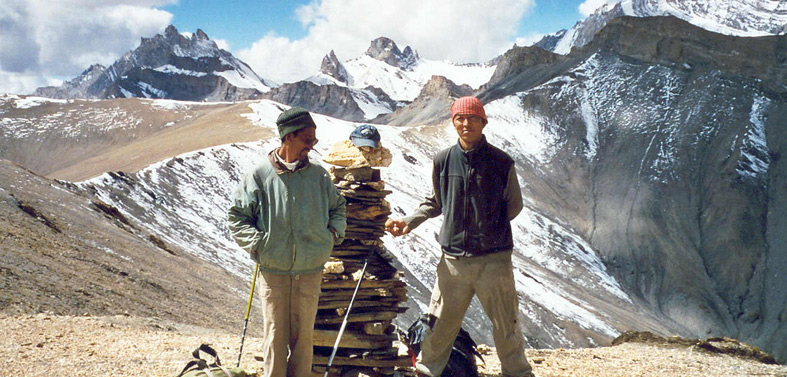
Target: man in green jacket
pixel 288 215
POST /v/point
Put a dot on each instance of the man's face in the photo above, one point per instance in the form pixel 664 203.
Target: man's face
pixel 304 141
pixel 469 128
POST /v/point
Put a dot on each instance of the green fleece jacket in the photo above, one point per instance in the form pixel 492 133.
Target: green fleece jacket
pixel 287 220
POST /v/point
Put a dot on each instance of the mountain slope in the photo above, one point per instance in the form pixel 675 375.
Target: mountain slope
pixel 560 279
pixel 64 252
pixel 663 154
pixel 79 139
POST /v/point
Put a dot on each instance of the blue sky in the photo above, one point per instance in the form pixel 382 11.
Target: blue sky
pixel 44 42
pixel 241 23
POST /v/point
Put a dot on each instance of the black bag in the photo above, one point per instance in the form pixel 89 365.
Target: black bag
pixel 200 368
pixel 461 363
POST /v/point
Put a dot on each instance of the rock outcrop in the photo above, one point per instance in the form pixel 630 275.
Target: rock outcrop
pixel 333 100
pixel 386 50
pixel 431 106
pixel 332 67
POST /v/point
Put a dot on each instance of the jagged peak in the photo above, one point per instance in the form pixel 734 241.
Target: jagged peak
pixel 332 67
pixel 93 68
pixel 171 31
pixel 382 45
pixel 330 58
pixel 200 35
pixel 385 49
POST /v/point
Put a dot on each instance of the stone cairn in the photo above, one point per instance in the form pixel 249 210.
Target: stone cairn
pixel 367 344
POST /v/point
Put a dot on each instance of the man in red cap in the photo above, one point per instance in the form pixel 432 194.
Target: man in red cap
pixel 476 190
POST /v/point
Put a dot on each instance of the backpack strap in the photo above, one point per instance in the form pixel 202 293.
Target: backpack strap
pixel 204 347
pixel 191 364
pixel 200 363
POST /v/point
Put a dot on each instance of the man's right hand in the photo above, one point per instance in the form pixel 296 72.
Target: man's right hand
pixel 396 227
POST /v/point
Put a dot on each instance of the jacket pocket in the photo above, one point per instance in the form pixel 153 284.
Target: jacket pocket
pixel 275 254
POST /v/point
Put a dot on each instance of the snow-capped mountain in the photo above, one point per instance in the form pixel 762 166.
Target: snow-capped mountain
pixel 747 18
pixel 649 160
pixel 378 83
pixel 169 65
pixel 400 74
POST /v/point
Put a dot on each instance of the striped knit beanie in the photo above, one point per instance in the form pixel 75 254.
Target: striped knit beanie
pixel 468 106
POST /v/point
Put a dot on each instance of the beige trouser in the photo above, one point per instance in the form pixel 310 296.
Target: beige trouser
pixel 491 277
pixel 289 307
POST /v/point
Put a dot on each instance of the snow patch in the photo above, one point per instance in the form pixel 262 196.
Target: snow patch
pixel 531 131
pixel 402 85
pixel 149 91
pixel 171 69
pixel 243 79
pixel 755 156
pixel 28 102
pixel 369 104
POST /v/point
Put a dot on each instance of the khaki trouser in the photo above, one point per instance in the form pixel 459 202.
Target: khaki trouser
pixel 491 277
pixel 289 307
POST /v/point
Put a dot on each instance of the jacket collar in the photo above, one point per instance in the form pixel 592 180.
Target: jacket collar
pixel 481 146
pixel 279 168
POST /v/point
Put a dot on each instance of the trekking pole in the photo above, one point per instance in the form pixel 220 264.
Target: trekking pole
pixel 346 316
pixel 248 309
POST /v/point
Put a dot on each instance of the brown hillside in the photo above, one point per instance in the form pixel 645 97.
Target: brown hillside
pixel 217 125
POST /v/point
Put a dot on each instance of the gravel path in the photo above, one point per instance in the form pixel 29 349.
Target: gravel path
pixel 49 345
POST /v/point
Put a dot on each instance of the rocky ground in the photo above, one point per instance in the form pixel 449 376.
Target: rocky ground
pixel 52 345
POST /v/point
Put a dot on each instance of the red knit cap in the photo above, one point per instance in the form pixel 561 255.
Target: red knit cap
pixel 468 106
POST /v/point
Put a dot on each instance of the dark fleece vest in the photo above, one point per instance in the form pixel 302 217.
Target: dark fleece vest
pixel 471 188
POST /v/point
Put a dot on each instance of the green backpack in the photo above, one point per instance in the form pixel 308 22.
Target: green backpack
pixel 200 368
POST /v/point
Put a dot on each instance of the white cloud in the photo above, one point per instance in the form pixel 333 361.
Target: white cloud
pixel 460 31
pixel 529 39
pixel 222 43
pixel 21 83
pixel 44 39
pixel 589 6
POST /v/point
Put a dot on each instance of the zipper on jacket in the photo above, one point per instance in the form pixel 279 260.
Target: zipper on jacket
pixel 468 171
pixel 291 203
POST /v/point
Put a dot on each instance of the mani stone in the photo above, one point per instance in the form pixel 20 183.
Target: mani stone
pixel 345 153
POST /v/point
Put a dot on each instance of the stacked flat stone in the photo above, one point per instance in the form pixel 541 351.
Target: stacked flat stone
pixel 367 345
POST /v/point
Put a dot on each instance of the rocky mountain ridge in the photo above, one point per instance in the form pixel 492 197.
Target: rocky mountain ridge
pixel 76 87
pixel 172 66
pixel 740 18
